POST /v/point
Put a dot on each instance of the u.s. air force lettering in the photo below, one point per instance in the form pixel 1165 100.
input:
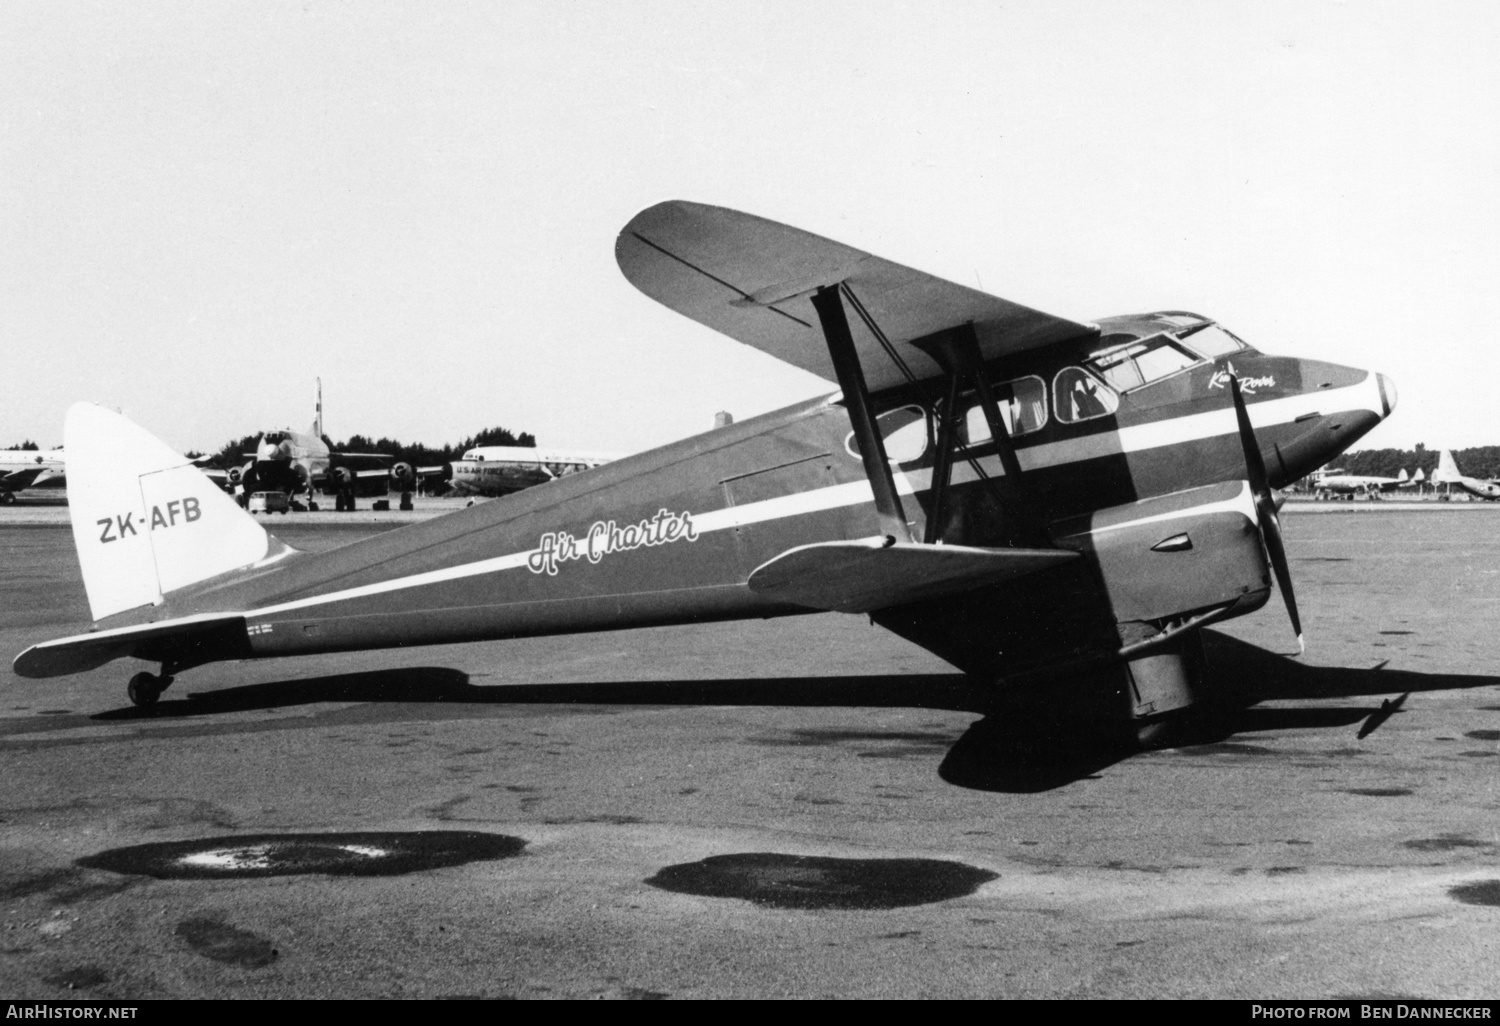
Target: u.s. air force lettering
pixel 116 528
pixel 603 538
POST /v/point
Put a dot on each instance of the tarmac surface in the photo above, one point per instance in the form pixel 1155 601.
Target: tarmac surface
pixel 798 807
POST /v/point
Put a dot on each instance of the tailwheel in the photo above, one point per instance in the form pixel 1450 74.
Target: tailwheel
pixel 145 688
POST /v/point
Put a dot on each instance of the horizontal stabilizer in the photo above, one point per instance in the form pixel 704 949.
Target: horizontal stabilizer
pixel 188 640
pixel 860 576
pixel 753 279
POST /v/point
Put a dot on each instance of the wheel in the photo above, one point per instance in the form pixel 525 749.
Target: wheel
pixel 6 498
pixel 144 689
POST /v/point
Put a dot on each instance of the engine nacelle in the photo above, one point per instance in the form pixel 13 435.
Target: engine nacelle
pixel 404 477
pixel 1176 554
pixel 1161 561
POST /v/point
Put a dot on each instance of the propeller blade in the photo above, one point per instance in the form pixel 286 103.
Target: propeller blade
pixel 1265 509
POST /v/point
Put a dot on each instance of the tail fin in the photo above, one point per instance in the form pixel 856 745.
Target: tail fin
pixel 317 424
pixel 1447 469
pixel 1401 477
pixel 145 520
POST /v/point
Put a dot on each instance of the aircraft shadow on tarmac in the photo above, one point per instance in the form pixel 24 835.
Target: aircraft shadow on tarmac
pixel 1014 747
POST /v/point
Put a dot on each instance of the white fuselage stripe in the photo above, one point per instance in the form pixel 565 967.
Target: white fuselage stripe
pixel 1195 427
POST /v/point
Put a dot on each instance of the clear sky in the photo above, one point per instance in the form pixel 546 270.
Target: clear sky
pixel 206 205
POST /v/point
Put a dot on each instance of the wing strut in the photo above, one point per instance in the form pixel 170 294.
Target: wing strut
pixel 957 351
pixel 942 470
pixel 828 301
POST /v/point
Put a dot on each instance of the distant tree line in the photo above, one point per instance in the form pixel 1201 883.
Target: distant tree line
pixel 28 446
pixel 1483 461
pixel 416 453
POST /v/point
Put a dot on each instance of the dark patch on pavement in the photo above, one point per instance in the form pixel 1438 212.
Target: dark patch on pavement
pixel 1323 559
pixel 444 810
pixel 1479 755
pixel 1133 867
pixel 1484 735
pixel 1284 870
pixel 1228 748
pixel 61 886
pixel 1445 842
pixel 79 978
pixel 831 736
pixel 611 820
pixel 213 938
pixel 1379 792
pixel 1480 892
pixel 39 883
pixel 353 854
pixel 817 882
pixel 1398 632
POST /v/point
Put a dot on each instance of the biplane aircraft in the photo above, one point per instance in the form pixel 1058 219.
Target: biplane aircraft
pixel 1022 494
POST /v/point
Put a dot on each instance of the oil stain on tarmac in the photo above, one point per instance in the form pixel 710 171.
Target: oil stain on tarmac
pixel 810 882
pixel 1480 892
pixel 84 977
pixel 213 938
pixel 1445 842
pixel 351 854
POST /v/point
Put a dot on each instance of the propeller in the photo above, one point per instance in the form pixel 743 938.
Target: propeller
pixel 1265 509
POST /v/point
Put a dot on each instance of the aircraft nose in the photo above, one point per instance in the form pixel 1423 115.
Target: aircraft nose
pixel 1387 394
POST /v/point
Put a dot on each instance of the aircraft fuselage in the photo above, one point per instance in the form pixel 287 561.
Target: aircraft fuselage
pixel 671 536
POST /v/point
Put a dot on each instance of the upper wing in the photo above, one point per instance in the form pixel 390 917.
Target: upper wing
pixel 752 280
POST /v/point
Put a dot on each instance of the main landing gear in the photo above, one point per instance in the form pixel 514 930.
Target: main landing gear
pixel 145 688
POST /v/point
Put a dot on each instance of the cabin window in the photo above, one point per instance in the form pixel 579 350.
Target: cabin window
pixel 1023 409
pixel 1078 395
pixel 1212 341
pixel 905 432
pixel 1142 362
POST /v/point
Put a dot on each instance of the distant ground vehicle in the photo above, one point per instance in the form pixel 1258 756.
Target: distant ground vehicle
pixel 269 502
